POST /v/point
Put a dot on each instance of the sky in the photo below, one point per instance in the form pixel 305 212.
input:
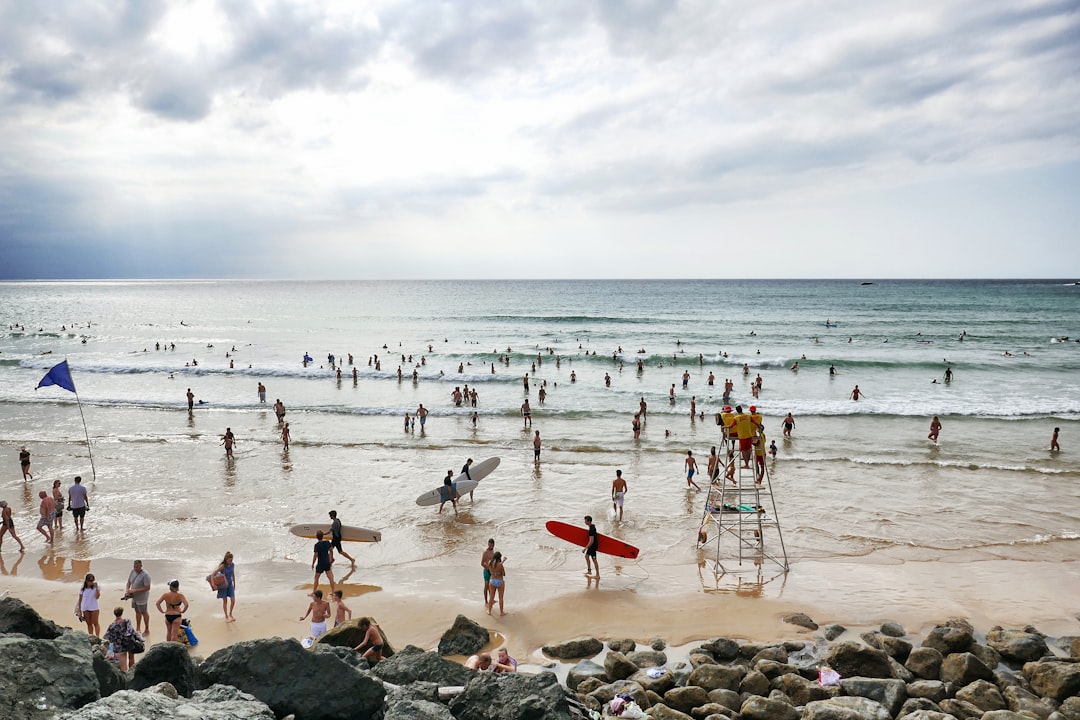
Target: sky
pixel 539 139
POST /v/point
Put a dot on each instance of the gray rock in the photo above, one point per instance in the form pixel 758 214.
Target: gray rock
pixel 585 669
pixel 845 708
pixel 930 689
pixel 39 677
pixel 411 664
pixel 800 690
pixel 166 662
pixel 1004 715
pixel 1017 645
pixel 647 658
pixel 697 659
pixel 292 680
pixel 960 709
pixel 658 685
pixel 712 677
pixel 947 639
pixel 928 715
pixel 755 683
pixel 1005 677
pixel 964 668
pixel 890 645
pixel 721 648
pixel 18 617
pixel 925 663
pixel 413 709
pixel 890 693
pixel 682 672
pixel 617 667
pixel 772 669
pixel 893 629
pixel 583 647
pixel 660 711
pixel 1074 647
pixel 345 654
pixel 219 702
pixel 605 693
pixel 653 698
pixel 780 696
pixel 990 657
pixel 772 652
pixel 802 620
pixel 1054 679
pixel 983 695
pixel 833 631
pixel 759 708
pixel 513 696
pixel 588 685
pixel 851 659
pixel 623 646
pixel 912 704
pixel 711 709
pixel 899 671
pixel 750 649
pixel 1070 708
pixel 1019 700
pixel 464 637
pixel 728 698
pixel 657 644
pixel 109 676
pixel 419 690
pixel 685 699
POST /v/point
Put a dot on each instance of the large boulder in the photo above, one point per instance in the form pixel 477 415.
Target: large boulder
pixel 348 634
pixel 345 654
pixel 647 658
pixel 513 696
pixel 912 704
pixel 220 702
pixel 110 678
pixel 845 708
pixel 292 680
pixel 964 668
pixel 923 714
pixel 412 664
pixel 890 693
pixel 166 662
pixel 712 677
pixel 721 648
pixel 802 620
pixel 948 639
pixel 617 667
pixel 756 707
pixel 925 663
pixel 833 631
pixel 891 645
pixel 605 693
pixel 934 690
pixel 799 689
pixel 464 637
pixel 415 709
pixel 755 683
pixel 18 617
pixel 586 669
pixel 983 695
pixel 1054 679
pixel 1020 700
pixel 960 709
pixel 660 711
pixel 583 647
pixel 851 659
pixel 893 629
pixel 728 698
pixel 659 685
pixel 1017 645
pixel 39 677
pixel 685 699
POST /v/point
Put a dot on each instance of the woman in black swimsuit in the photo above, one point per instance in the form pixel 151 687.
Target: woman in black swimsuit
pixel 175 607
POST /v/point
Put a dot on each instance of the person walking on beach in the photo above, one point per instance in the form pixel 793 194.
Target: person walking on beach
pixel 935 428
pixel 262 393
pixel 190 400
pixel 24 463
pixel 279 410
pixel 467 467
pixel 58 513
pixel 138 591
pixel 642 407
pixel 335 536
pixel 7 525
pixel 526 412
pixel 227 594
pixel 1054 447
pixel 536 447
pixel 636 425
pixel 691 468
pixel 86 607
pixel 618 493
pixel 175 607
pixel 228 439
pixel 78 502
pixel 286 435
pixel 498 583
pixel 322 560
pixel 44 525
pixel 319 610
pixel 421 412
pixel 856 394
pixel 448 492
pixel 590 549
pixel 485 562
pixel 789 424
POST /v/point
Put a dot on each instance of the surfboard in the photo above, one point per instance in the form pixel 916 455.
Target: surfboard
pixel 464 485
pixel 579 535
pixel 348 532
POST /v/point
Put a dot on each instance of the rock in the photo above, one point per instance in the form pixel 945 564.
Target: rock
pixel 912 704
pixel 220 702
pixel 890 693
pixel 759 708
pixel 38 677
pixel 1019 700
pixel 345 654
pixel 588 685
pixel 711 709
pixel 899 671
pixel 1016 645
pixel 605 693
pixel 728 698
pixel 990 657
pixel 833 631
pixel 685 699
pixel 893 629
pixel 851 659
pixel 1071 708
pixel 697 659
pixel 622 646
pixel 653 698
pixel 582 647
pixel 411 664
pixel 165 689
pixel 464 637
pixel 1052 679
pixel 929 689
pixel 617 667
pixel 166 662
pixel 721 648
pixel 657 644
pixel 960 709
pixel 348 634
pixel 586 669
pixel 845 708
pixel 513 696
pixel 658 685
pixel 890 645
pixel 712 677
pixel 18 617
pixel 413 709
pixel 110 678
pixel 925 663
pixel 964 668
pixel 660 711
pixel 947 640
pixel 772 669
pixel 1004 715
pixel 983 695
pixel 802 620
pixel 647 658
pixel 1074 647
pixel 755 683
pixel 773 652
pixel 292 680
pixel 800 690
pixel 927 715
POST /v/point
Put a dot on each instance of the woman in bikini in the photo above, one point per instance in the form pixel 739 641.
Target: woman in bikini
pixel 498 582
pixel 175 607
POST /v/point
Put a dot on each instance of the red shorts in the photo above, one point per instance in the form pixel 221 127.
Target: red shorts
pixel 746 444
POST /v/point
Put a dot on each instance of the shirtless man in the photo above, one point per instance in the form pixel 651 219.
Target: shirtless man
pixel 227 440
pixel 7 525
pixel 691 468
pixel 190 400
pixel 279 410
pixel 618 493
pixel 262 393
pixel 536 446
pixel 714 465
pixel 485 562
pixel 371 646
pixel 789 424
pixel 342 613
pixel 46 509
pixel 421 412
pixel 319 610
pixel 526 412
pixel 642 409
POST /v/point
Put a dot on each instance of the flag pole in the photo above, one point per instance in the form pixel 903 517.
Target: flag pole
pixel 93 470
pixel 60 375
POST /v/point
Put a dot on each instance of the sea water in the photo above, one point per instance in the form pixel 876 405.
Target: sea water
pixel 858 482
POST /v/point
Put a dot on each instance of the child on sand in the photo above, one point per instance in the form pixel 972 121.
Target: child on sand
pixel 342 613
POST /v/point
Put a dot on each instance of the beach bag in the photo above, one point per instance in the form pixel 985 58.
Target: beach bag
pixel 828 676
pixel 134 641
pixel 218 581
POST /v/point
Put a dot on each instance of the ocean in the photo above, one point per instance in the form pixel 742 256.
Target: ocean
pixel 859 483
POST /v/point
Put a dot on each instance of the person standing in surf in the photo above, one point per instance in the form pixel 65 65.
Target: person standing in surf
pixel 618 493
pixel 24 462
pixel 590 549
pixel 1054 447
pixel 935 428
pixel 856 394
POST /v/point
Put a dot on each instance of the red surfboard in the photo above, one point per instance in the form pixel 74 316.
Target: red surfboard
pixel 579 535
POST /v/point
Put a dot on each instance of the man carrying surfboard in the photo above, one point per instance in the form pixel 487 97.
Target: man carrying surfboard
pixel 448 493
pixel 590 549
pixel 335 536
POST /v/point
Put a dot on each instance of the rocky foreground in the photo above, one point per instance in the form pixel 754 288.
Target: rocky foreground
pixel 1010 674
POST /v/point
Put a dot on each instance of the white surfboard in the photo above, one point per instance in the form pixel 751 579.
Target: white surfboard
pixel 464 485
pixel 348 532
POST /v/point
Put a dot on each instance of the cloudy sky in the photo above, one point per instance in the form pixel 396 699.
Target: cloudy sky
pixel 555 138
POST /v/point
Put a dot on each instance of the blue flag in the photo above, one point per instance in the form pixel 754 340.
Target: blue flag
pixel 60 376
